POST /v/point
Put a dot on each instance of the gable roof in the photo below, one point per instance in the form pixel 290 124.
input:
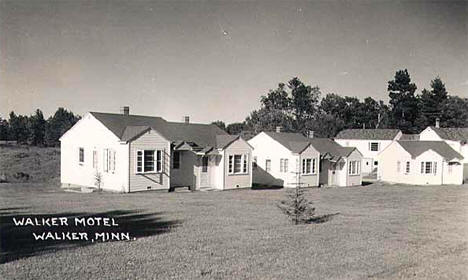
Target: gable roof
pixel 452 133
pixel 368 134
pixel 297 142
pixel 409 137
pixel 128 127
pixel 416 148
pixel 328 146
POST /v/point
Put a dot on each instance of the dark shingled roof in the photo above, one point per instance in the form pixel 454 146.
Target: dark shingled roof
pixel 371 134
pixel 328 146
pixel 128 127
pixel 415 148
pixel 297 142
pixel 452 133
pixel 409 137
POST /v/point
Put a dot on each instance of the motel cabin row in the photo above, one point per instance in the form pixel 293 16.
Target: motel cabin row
pixel 128 153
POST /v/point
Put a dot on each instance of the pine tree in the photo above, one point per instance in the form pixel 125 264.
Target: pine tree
pixel 297 207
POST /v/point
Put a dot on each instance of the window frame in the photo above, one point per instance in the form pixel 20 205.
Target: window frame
pixel 284 164
pixel 157 161
pixel 371 146
pixel 81 155
pixel 408 167
pixel 354 167
pixel 242 165
pixel 268 165
pixel 309 166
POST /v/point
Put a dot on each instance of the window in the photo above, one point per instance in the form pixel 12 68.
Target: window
pixel 204 164
pixel 450 168
pixel 398 166
pixel 284 165
pixel 176 160
pixel 268 165
pixel 81 155
pixel 354 167
pixel 245 163
pixel 95 159
pixel 376 163
pixel 108 160
pixel 149 161
pixel 238 164
pixel 408 167
pixel 374 146
pixel 254 162
pixel 309 166
pixel 429 167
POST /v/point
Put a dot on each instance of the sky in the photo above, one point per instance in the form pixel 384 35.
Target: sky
pixel 212 60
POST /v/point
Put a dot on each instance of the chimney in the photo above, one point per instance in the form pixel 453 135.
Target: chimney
pixel 126 110
pixel 186 119
pixel 437 123
pixel 278 129
pixel 310 134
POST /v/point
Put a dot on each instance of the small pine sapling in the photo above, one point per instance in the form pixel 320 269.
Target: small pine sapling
pixel 297 207
pixel 98 180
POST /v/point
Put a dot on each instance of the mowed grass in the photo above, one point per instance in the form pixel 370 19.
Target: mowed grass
pixel 381 232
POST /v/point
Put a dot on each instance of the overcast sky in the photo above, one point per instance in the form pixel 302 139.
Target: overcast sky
pixel 213 60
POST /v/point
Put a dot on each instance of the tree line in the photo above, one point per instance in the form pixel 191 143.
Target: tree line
pixel 35 129
pixel 297 107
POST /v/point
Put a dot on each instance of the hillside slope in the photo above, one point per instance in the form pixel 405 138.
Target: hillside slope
pixel 29 164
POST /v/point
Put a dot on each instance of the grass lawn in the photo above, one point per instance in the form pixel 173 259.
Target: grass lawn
pixel 388 232
pixel 381 232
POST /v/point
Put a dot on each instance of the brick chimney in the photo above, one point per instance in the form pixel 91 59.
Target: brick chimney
pixel 437 122
pixel 126 110
pixel 186 119
pixel 278 129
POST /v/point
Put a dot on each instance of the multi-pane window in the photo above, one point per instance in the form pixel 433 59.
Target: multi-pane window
pixel 176 160
pixel 309 166
pixel 238 164
pixel 108 160
pixel 374 146
pixel 408 167
pixel 268 165
pixel 284 165
pixel 354 167
pixel 81 155
pixel 429 167
pixel 148 161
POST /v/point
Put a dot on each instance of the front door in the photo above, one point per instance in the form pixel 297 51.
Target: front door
pixel 204 174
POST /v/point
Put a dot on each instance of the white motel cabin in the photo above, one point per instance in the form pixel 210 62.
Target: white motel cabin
pixel 138 153
pixel 455 137
pixel 291 159
pixel 420 163
pixel 369 142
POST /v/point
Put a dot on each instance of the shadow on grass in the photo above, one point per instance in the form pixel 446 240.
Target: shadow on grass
pixel 367 183
pixel 322 218
pixel 264 187
pixel 18 242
